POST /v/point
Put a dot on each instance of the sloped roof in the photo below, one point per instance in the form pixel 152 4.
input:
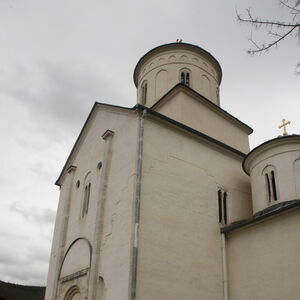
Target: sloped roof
pixel 205 100
pixel 141 108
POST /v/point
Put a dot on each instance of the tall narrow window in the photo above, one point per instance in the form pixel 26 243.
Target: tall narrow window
pixel 268 187
pixel 185 77
pixel 144 92
pixel 222 205
pixel 182 77
pixel 271 184
pixel 225 207
pixel 86 199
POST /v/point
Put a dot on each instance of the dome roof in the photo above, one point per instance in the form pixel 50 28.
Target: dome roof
pixel 177 46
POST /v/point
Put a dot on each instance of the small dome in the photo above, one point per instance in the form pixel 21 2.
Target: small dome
pixel 274 169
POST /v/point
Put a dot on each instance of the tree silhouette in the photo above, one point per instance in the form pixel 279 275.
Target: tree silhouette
pixel 276 30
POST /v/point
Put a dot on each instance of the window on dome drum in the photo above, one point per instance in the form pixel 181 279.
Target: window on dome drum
pixel 144 93
pixel 222 205
pixel 271 186
pixel 86 199
pixel 185 78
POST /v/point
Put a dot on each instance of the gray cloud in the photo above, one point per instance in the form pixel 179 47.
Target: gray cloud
pixel 37 215
pixel 54 63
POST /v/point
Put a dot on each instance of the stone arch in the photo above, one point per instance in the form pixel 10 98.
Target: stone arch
pixel 161 61
pixel 204 65
pixel 172 58
pixel 183 58
pixel 73 293
pixel 161 81
pixel 206 86
pixel 195 60
pixel 71 265
pixel 296 166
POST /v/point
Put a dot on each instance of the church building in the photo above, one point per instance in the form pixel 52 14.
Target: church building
pixel 165 200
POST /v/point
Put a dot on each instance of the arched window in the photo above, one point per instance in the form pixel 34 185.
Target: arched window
pixel 144 92
pixel 185 77
pixel 269 175
pixel 222 205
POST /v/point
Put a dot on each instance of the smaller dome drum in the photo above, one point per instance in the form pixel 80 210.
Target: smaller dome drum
pixel 274 169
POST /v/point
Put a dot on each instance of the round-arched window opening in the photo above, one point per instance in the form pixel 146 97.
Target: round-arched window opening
pixel 99 166
pixel 78 183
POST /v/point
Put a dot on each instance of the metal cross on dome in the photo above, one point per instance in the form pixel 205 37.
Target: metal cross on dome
pixel 283 125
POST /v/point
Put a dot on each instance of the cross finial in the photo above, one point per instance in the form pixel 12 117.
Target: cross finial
pixel 178 40
pixel 284 124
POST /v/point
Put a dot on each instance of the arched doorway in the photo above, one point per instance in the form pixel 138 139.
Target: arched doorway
pixel 73 293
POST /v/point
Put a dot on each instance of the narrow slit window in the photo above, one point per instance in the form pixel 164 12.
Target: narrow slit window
pixel 271 186
pixel 274 185
pixel 86 200
pixel 182 77
pixel 222 206
pixel 225 207
pixel 268 187
pixel 144 93
pixel 187 79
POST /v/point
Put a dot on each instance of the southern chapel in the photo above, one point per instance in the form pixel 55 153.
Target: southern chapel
pixel 164 200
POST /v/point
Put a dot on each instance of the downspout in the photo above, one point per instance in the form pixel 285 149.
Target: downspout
pixel 225 268
pixel 137 205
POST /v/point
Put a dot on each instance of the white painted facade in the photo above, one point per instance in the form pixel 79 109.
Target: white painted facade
pixel 155 203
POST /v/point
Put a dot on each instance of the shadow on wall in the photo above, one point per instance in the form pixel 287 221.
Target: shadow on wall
pixel 11 291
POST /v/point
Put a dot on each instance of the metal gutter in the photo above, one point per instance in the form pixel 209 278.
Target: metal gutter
pixel 137 206
pixel 264 214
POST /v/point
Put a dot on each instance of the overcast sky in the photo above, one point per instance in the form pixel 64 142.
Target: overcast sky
pixel 58 57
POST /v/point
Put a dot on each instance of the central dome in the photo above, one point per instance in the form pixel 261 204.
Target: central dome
pixel 160 69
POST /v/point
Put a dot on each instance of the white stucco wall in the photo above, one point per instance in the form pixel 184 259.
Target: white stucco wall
pixel 117 227
pixel 263 259
pixel 196 113
pixel 179 239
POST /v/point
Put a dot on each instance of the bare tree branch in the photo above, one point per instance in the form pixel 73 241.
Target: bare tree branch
pixel 275 42
pixel 293 9
pixel 278 30
pixel 256 21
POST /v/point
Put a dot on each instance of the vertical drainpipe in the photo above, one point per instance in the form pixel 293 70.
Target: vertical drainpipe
pixel 137 205
pixel 225 268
